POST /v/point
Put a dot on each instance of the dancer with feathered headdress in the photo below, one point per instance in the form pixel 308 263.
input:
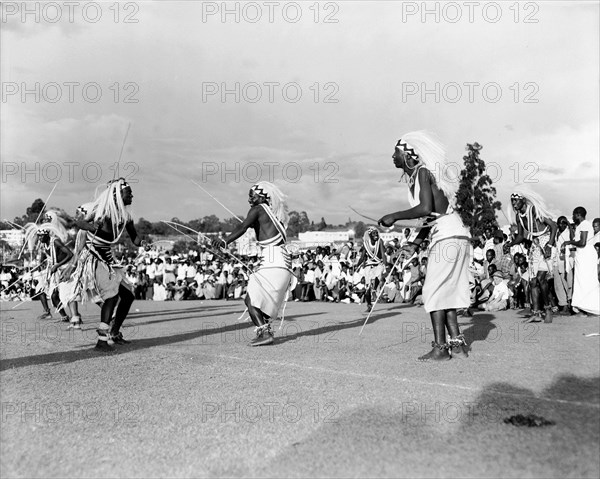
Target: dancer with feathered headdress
pixel 422 157
pixel 373 257
pixel 97 277
pixel 51 236
pixel 268 285
pixel 533 221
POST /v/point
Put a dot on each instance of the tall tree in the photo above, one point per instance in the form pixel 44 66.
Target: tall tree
pixel 476 197
pixel 359 230
pixel 31 213
pixel 298 223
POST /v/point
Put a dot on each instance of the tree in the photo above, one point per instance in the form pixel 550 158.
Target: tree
pixel 476 197
pixel 359 230
pixel 322 225
pixel 211 224
pixel 144 227
pixel 31 213
pixel 298 223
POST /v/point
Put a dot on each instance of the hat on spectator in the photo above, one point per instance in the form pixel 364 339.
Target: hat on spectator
pixel 498 274
pixel 499 234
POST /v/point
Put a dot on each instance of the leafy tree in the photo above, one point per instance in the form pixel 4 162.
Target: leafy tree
pixel 359 230
pixel 182 246
pixel 144 227
pixel 31 213
pixel 229 224
pixel 299 223
pixel 322 225
pixel 211 224
pixel 476 197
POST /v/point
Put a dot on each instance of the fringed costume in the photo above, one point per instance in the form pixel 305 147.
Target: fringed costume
pixel 374 265
pixel 533 226
pixel 96 277
pixel 47 234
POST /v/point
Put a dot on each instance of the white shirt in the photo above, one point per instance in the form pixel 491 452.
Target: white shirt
pixel 500 292
pixel 585 225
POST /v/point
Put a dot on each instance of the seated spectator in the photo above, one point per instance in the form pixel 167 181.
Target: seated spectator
pixel 498 300
pixel 483 290
pixel 180 290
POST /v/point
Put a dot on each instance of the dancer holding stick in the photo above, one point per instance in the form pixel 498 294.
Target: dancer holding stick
pixel 268 285
pixel 97 277
pixel 446 286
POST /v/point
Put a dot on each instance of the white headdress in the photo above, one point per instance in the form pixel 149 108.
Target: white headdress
pixel 536 207
pixel 109 205
pixel 275 199
pixel 57 219
pixel 428 150
pixel 33 231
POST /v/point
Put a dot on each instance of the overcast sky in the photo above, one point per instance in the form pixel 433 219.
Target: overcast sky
pixel 324 92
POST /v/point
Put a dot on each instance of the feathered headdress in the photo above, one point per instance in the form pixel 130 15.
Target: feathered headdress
pixel 275 199
pixel 108 205
pixel 33 231
pixel 532 199
pixel 58 220
pixel 425 148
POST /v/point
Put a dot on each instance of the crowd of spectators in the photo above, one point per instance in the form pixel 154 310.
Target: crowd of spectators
pixel 500 276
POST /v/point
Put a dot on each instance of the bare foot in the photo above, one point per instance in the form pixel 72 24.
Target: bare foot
pixel 536 317
pixel 458 347
pixel 438 353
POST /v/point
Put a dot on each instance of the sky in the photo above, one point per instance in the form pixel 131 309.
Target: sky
pixel 312 96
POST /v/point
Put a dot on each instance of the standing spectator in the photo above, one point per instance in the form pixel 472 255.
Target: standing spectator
pixel 488 240
pixel 151 270
pixel 490 258
pixel 160 292
pixel 562 265
pixel 190 273
pixel 141 285
pixel 307 283
pixel 506 264
pixel 586 289
pixel 596 228
pixel 170 269
pixel 159 272
pixel 498 239
pixel 182 269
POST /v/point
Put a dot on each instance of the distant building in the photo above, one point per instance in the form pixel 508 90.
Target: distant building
pixel 311 239
pixel 14 238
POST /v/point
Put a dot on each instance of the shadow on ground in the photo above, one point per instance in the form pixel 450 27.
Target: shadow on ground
pixel 455 439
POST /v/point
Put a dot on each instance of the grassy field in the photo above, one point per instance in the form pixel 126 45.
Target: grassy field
pixel 189 398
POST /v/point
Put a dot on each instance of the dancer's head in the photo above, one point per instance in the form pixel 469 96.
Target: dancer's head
pixel 43 235
pixel 372 233
pixel 424 148
pixel 58 221
pixel 524 200
pixel 517 201
pixel 112 204
pixel 271 195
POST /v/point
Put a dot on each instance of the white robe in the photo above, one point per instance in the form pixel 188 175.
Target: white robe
pixel 586 288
